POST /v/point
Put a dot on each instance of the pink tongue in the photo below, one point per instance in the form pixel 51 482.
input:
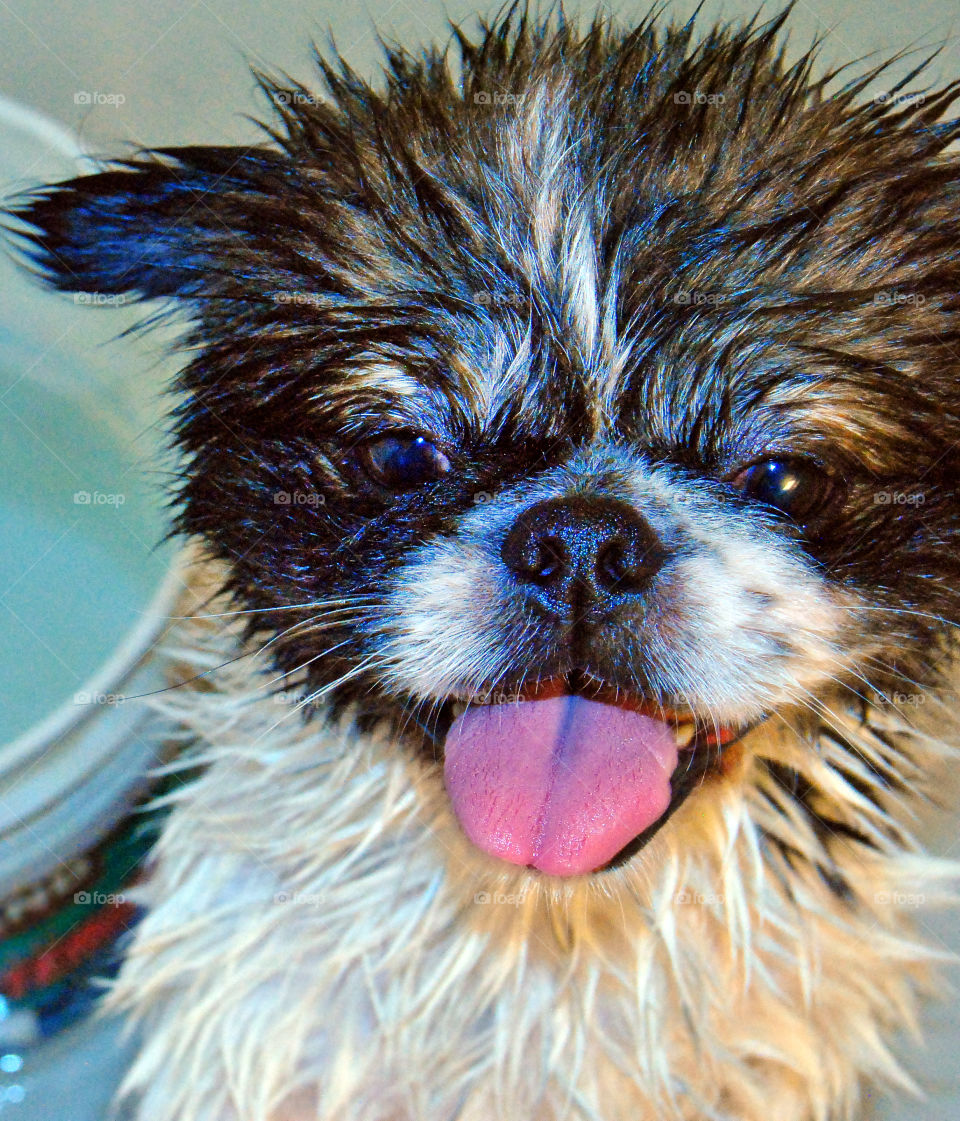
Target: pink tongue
pixel 560 784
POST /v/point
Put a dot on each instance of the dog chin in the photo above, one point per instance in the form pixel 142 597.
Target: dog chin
pixel 570 776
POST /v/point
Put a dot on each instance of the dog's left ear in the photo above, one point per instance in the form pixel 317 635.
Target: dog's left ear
pixel 167 223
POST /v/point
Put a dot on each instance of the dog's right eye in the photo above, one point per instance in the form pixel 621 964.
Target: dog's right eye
pixel 797 487
pixel 403 461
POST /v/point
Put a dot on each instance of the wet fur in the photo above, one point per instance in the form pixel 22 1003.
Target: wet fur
pixel 325 943
pixel 589 285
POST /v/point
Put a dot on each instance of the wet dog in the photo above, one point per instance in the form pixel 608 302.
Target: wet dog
pixel 577 426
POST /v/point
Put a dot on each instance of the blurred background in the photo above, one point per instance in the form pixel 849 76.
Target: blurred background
pixel 84 590
pixel 176 71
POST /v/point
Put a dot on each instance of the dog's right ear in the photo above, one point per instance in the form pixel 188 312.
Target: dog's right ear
pixel 165 224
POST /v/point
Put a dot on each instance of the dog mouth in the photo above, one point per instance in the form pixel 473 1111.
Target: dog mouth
pixel 571 777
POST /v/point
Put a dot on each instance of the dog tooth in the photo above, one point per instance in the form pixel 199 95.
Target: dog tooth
pixel 684 733
pixel 459 708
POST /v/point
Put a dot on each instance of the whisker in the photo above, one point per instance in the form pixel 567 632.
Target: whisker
pixel 349 601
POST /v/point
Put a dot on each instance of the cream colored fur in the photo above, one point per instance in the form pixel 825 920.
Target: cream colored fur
pixel 324 944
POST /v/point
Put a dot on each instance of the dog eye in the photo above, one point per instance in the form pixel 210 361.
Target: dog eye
pixel 797 487
pixel 403 462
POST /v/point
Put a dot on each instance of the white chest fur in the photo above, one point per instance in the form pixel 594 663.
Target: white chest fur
pixel 323 943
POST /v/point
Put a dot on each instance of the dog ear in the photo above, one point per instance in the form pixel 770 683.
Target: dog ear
pixel 167 223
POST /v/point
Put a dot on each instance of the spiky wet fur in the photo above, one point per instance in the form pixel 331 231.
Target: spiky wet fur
pixel 589 281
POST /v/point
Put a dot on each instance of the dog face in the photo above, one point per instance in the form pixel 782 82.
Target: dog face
pixel 578 413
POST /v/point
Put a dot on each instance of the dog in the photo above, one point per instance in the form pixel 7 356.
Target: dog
pixel 573 430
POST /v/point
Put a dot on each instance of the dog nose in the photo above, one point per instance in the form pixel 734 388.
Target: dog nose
pixel 580 549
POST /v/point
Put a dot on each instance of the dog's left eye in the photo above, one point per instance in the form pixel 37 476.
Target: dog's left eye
pixel 797 487
pixel 402 462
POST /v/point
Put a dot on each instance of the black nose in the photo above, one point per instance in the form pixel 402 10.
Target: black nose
pixel 579 550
